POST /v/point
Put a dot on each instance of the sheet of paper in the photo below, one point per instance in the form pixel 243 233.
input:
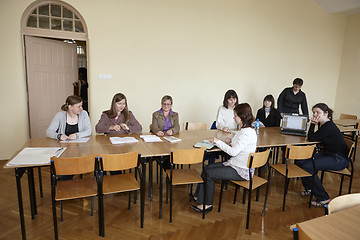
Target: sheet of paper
pixel 150 138
pixel 36 156
pixel 79 140
pixel 119 140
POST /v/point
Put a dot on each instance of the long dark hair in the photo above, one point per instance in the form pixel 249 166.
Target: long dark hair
pixel 230 94
pixel 271 99
pixel 325 108
pixel 71 100
pixel 243 110
pixel 112 113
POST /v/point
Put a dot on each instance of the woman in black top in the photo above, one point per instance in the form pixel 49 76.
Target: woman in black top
pixel 268 114
pixel 333 156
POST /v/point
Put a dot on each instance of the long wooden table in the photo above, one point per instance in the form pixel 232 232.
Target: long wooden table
pixel 340 225
pixel 100 144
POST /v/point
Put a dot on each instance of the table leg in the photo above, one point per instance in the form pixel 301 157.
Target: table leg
pixel 32 192
pixel 151 178
pixel 160 187
pixel 18 174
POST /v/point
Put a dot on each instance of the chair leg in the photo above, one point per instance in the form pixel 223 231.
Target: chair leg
pixel 257 194
pixel 244 196
pixel 129 204
pixel 40 182
pixel 221 192
pixel 92 206
pixel 350 183
pixel 191 191
pixel 61 212
pixel 235 193
pixel 54 215
pixel 266 195
pixel 341 184
pixel 248 210
pixel 285 192
pixel 167 191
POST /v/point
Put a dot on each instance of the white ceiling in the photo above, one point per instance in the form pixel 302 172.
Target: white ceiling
pixel 340 6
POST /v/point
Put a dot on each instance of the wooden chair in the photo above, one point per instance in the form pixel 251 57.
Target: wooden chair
pixel 347 116
pixel 189 126
pixel 176 177
pixel 255 160
pixel 72 189
pixel 126 182
pixel 343 202
pixel 289 170
pixel 349 171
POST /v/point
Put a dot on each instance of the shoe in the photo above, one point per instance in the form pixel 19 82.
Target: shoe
pixel 200 210
pixel 320 203
pixel 192 198
pixel 305 193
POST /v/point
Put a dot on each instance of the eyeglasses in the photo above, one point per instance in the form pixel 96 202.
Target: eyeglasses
pixel 166 104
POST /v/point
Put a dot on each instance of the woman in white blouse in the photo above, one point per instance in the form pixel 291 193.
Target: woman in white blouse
pixel 242 144
pixel 225 116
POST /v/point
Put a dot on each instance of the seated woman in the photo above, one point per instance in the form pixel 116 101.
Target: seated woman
pixel 268 114
pixel 165 121
pixel 225 116
pixel 118 119
pixel 70 123
pixel 333 157
pixel 242 144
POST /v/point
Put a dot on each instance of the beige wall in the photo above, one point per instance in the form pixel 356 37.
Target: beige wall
pixel 348 95
pixel 193 50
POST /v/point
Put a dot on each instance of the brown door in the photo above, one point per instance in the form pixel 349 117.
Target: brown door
pixel 51 68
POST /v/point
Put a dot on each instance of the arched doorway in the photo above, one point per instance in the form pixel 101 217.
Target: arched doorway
pixel 55 46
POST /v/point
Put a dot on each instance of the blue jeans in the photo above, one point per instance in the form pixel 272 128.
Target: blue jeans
pixel 323 161
pixel 215 171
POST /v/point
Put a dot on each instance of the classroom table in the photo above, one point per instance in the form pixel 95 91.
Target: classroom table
pixel 346 122
pixel 339 225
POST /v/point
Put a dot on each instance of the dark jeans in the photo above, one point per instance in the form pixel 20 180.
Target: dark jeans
pixel 215 171
pixel 323 161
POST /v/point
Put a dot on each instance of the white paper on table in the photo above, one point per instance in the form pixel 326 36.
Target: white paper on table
pixel 172 139
pixel 150 138
pixel 36 156
pixel 79 140
pixel 119 140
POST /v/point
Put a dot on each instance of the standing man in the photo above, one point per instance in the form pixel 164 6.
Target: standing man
pixel 290 99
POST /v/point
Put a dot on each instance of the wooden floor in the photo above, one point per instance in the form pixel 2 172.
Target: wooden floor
pixel 121 223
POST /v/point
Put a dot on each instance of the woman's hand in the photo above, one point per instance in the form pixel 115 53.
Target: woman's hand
pixel 160 133
pixel 169 132
pixel 115 128
pixel 214 140
pixel 228 140
pixel 63 137
pixel 124 126
pixel 72 136
pixel 225 129
pixel 315 120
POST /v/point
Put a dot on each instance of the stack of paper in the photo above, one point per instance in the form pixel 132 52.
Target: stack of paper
pixel 119 140
pixel 36 156
pixel 151 138
pixel 172 139
pixel 205 144
pixel 78 140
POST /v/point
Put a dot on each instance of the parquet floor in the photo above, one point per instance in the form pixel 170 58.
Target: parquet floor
pixel 121 223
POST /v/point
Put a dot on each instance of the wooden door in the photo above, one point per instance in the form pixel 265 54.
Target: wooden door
pixel 51 69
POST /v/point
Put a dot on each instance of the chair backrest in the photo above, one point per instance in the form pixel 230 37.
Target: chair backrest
pixel 187 156
pixel 347 116
pixel 299 152
pixel 189 126
pixel 259 159
pixel 115 162
pixel 343 202
pixel 351 146
pixel 74 165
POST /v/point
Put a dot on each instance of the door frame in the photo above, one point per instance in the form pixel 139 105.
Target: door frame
pixel 53 34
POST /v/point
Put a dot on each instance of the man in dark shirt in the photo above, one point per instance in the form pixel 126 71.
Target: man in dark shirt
pixel 290 99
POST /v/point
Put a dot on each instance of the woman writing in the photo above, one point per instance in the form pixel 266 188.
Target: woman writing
pixel 165 121
pixel 225 116
pixel 70 123
pixel 242 144
pixel 268 114
pixel 118 119
pixel 333 157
